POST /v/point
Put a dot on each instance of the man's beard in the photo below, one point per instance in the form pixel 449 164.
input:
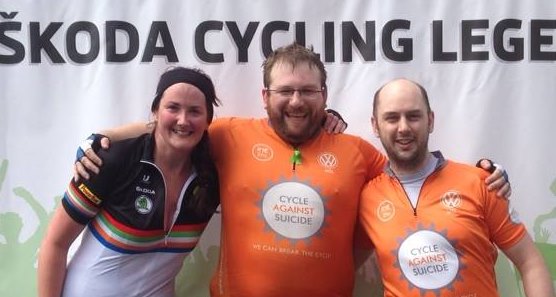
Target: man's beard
pixel 281 127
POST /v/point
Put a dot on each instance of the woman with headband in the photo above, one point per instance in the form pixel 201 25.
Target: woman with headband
pixel 145 211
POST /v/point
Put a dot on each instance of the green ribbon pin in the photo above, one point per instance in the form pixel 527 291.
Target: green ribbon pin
pixel 296 157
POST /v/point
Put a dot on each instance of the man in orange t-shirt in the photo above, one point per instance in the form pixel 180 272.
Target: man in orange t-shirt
pixel 289 192
pixel 287 226
pixel 434 225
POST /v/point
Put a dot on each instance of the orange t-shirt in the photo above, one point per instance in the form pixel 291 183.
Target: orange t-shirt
pixel 446 245
pixel 286 231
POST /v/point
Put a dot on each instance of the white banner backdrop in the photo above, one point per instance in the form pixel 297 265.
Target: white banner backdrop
pixel 73 67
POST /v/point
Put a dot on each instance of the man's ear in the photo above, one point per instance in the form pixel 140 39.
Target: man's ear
pixel 431 121
pixel 265 94
pixel 374 126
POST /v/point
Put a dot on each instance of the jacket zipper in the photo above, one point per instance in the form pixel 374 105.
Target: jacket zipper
pixel 414 208
pixel 166 233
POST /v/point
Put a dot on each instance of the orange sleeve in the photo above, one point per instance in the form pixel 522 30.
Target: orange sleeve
pixel 502 220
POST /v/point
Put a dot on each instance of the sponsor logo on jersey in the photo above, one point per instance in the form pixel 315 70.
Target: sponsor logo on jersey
pixel 143 204
pixel 294 210
pixel 89 194
pixel 262 152
pixel 328 161
pixel 429 261
pixel 144 190
pixel 385 211
pixel 451 200
pixel 146 179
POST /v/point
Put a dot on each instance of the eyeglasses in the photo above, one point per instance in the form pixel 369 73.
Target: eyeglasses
pixel 304 92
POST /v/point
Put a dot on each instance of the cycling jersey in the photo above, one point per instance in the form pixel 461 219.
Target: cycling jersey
pixel 447 244
pixel 288 213
pixel 125 250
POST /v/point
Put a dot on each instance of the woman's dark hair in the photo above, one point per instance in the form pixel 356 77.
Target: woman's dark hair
pixel 206 192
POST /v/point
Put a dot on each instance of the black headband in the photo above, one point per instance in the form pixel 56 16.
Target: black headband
pixel 185 75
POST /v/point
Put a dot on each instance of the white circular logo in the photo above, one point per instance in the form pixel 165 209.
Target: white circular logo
pixel 428 260
pixel 328 161
pixel 294 210
pixel 143 204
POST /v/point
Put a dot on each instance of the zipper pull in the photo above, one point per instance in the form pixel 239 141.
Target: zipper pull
pixel 295 158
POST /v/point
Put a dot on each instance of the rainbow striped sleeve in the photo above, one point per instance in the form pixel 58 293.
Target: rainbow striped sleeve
pixel 81 203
